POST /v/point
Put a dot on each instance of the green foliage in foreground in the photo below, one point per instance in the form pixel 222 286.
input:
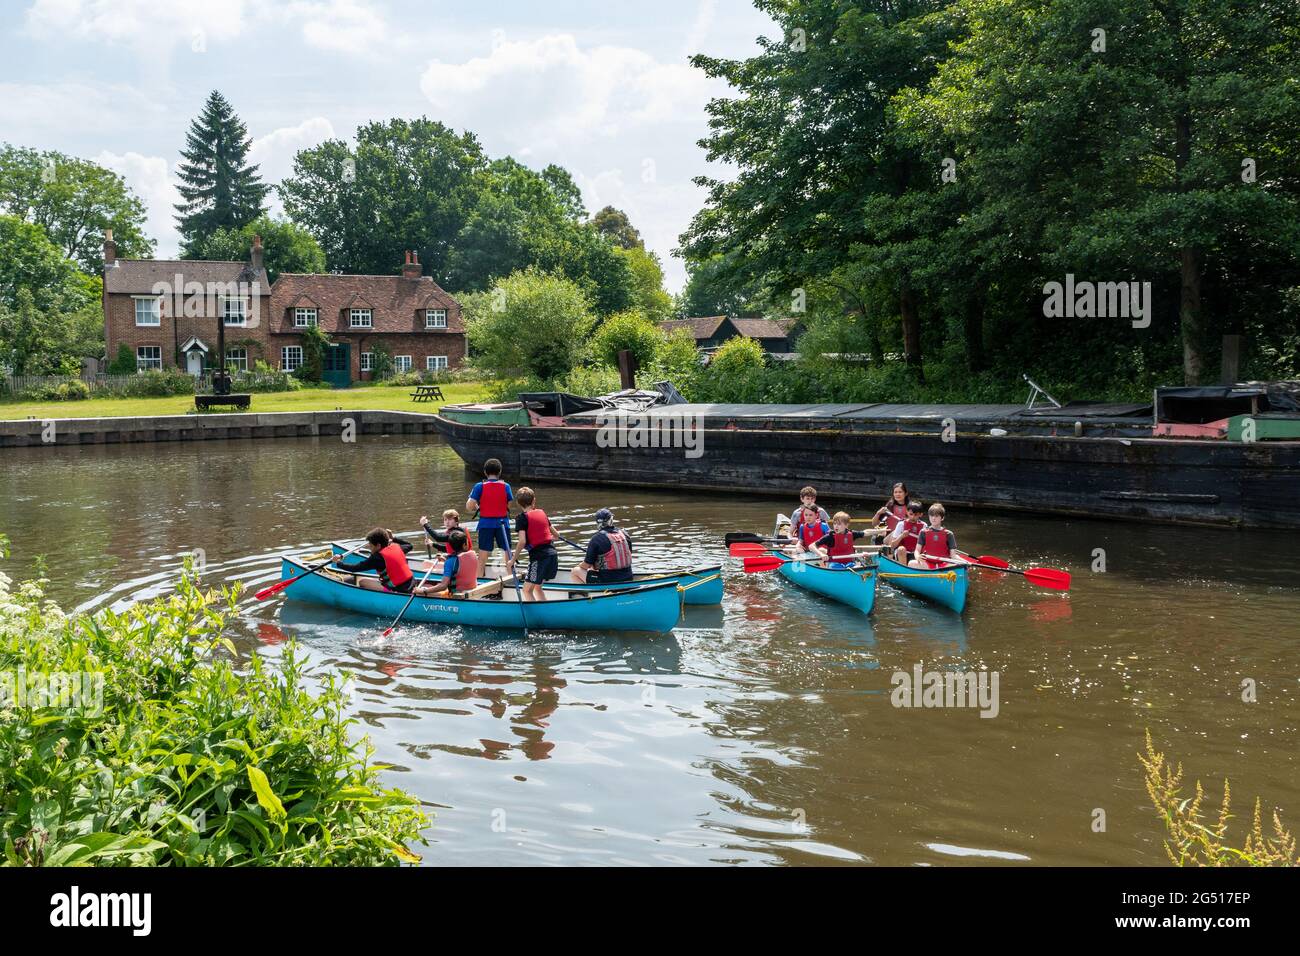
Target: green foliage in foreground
pixel 1194 842
pixel 189 761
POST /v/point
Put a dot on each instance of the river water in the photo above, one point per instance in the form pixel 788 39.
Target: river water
pixel 758 732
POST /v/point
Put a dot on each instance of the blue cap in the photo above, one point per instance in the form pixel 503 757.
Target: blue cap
pixel 604 516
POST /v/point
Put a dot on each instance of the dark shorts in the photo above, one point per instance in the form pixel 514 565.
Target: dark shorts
pixel 621 576
pixel 403 588
pixel 491 538
pixel 543 565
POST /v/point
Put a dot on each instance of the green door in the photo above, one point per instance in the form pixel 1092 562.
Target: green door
pixel 338 366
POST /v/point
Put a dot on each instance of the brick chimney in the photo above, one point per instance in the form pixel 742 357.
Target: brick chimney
pixel 411 268
pixel 110 248
pixel 255 255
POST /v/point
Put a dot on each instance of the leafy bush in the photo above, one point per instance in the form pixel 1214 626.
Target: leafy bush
pixel 154 382
pixel 177 757
pixel 124 364
pixel 627 330
pixel 531 324
pixel 73 391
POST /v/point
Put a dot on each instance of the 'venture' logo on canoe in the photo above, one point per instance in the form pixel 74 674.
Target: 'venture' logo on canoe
pixel 977 690
pixel 663 429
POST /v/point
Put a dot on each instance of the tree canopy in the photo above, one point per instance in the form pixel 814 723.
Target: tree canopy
pixel 219 189
pixel 73 201
pixel 286 247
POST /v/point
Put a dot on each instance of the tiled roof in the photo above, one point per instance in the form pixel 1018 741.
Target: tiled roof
pixel 139 276
pixel 397 303
pixel 761 328
pixel 701 328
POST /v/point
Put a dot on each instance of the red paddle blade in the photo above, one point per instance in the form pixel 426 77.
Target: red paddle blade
pixel 755 565
pixel 276 588
pixel 387 632
pixel 1049 578
pixel 990 559
pixel 745 549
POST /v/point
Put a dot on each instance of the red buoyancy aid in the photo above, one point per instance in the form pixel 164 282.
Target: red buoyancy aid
pixel 894 513
pixel 537 528
pixel 396 571
pixel 842 544
pixel 466 571
pixel 810 532
pixel 492 502
pixel 619 555
pixel 934 542
pixel 911 528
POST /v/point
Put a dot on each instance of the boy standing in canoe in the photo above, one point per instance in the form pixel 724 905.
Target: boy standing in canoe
pixel 609 554
pixel 388 558
pixel 534 530
pixel 838 544
pixel 460 573
pixel 491 498
pixel 934 541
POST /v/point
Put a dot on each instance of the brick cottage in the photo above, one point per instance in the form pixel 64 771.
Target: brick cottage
pixel 165 312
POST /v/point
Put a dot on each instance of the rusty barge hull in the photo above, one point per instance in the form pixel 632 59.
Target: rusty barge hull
pixel 1104 475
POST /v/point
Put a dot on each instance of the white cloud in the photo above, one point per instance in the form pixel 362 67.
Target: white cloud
pixel 31 113
pixel 345 26
pixel 150 178
pixel 275 151
pixel 140 23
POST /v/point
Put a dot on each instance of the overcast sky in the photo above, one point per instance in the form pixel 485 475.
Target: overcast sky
pixel 603 89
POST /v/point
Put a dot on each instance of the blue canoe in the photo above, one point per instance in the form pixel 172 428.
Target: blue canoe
pixel 854 586
pixel 946 586
pixel 654 607
pixel 700 586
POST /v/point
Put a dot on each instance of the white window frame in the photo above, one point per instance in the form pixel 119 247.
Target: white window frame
pixel 367 361
pixel 435 363
pixel 237 359
pixel 361 319
pixel 237 317
pixel 305 317
pixel 432 317
pixel 290 358
pixel 142 363
pixel 156 312
pixel 402 363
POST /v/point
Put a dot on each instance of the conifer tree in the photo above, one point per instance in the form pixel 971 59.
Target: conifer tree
pixel 220 189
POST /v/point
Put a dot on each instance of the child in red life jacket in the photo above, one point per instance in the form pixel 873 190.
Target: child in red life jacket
pixel 894 510
pixel 490 499
pixel 838 545
pixel 903 540
pixel 808 497
pixel 440 537
pixel 934 541
pixel 388 557
pixel 459 573
pixel 534 530
pixel 807 527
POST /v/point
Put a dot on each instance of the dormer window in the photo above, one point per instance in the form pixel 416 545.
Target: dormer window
pixel 435 318
pixel 360 319
pixel 305 318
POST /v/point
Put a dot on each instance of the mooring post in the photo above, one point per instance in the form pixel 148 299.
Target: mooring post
pixel 626 369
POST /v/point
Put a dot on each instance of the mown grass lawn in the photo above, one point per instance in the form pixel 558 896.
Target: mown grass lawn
pixel 394 398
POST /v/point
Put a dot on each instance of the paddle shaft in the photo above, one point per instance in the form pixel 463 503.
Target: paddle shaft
pixel 279 586
pixel 392 627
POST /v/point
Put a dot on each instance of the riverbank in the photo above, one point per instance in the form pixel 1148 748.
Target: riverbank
pixel 391 398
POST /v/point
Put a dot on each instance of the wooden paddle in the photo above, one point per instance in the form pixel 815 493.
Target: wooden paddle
pixel 279 586
pixel 392 627
pixel 1049 578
